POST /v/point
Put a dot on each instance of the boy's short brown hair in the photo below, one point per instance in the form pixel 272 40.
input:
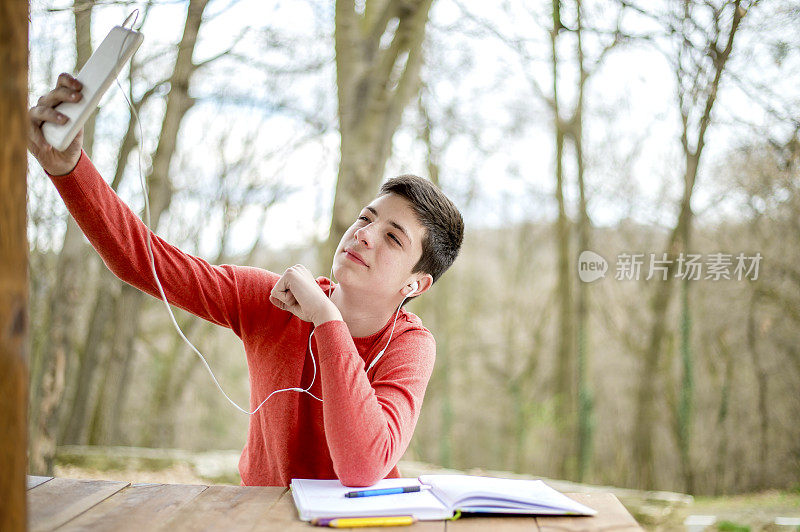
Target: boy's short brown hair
pixel 444 226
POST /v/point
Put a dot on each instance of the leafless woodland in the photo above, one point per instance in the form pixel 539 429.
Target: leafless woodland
pixel 618 127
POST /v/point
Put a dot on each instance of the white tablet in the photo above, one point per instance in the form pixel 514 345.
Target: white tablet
pixel 96 76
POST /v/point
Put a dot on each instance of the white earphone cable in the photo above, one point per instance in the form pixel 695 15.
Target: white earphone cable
pixel 161 289
pixel 382 351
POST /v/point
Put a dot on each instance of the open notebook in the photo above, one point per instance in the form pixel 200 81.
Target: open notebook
pixel 446 495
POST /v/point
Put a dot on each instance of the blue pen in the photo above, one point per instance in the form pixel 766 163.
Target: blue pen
pixel 384 491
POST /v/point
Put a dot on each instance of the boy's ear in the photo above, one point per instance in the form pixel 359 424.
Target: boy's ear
pixel 423 284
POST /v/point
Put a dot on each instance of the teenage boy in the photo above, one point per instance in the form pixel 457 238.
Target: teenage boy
pixel 372 370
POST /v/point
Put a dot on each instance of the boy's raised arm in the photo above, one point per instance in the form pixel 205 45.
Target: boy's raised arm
pixel 120 238
pixel 118 235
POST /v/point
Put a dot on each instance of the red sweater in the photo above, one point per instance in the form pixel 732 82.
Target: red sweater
pixel 365 422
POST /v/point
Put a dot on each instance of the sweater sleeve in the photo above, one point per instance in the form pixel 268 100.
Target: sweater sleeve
pixel 120 238
pixel 368 426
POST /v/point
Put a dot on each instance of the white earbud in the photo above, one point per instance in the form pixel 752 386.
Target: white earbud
pixel 414 288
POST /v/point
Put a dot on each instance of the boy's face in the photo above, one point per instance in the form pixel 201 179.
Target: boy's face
pixel 379 250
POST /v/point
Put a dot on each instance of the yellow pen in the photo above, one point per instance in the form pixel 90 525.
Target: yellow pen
pixel 356 522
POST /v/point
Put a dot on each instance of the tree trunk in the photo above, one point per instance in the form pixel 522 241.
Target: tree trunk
pixel 103 429
pixel 375 84
pixel 82 10
pixel 686 404
pixel 722 417
pixel 85 390
pixel 13 264
pixel 565 367
pixel 57 354
pixel 165 389
pixel 585 400
pixel 646 417
pixel 74 248
pixel 761 382
pixel 444 319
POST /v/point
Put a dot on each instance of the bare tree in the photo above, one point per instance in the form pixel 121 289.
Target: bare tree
pixel 769 178
pixel 566 24
pixel 702 53
pixel 378 58
pixel 64 298
pixel 565 384
pixel 585 402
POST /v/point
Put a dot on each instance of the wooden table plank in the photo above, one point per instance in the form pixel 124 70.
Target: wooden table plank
pixel 55 502
pixel 136 508
pixel 85 504
pixel 33 481
pixel 611 515
pixel 421 526
pixel 283 516
pixel 229 508
pixel 500 524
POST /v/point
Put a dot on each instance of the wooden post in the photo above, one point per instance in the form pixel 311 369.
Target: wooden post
pixel 13 263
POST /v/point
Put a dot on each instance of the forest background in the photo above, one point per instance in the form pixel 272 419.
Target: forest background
pixel 659 133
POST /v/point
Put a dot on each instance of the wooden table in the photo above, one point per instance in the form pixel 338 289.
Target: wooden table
pixel 69 504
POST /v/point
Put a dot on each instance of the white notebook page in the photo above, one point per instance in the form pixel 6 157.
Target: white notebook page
pixel 463 491
pixel 325 498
